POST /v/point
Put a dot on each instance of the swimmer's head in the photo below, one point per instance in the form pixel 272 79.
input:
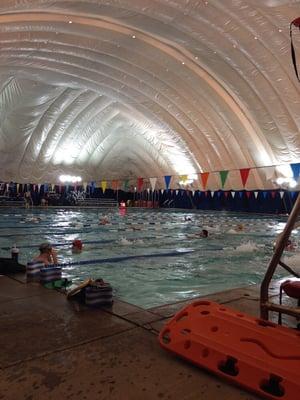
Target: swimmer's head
pixel 77 244
pixel 204 233
pixel 45 248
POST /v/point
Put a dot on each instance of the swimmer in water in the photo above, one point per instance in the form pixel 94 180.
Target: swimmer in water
pixel 77 246
pixel 239 228
pixel 289 246
pixel 103 221
pixel 202 234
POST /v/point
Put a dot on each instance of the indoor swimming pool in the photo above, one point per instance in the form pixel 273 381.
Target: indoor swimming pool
pixel 150 257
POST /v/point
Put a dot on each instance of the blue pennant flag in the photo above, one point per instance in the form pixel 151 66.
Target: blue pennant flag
pixel 264 194
pixel 294 194
pixel 167 181
pixel 92 187
pixel 296 170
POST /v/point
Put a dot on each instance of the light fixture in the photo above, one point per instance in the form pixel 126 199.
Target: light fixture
pixel 288 182
pixel 70 179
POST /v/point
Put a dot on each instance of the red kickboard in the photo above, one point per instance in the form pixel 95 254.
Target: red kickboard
pixel 258 355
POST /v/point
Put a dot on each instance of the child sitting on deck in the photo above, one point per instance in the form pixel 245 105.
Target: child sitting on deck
pixel 47 255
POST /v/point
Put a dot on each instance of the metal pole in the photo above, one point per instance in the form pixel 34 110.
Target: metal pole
pixel 264 289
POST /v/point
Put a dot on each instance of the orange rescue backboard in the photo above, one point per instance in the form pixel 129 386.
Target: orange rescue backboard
pixel 258 355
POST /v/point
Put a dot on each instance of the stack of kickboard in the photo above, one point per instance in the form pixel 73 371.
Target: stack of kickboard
pixel 37 271
pixel 94 293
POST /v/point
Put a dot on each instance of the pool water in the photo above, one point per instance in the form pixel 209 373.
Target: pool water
pixel 150 257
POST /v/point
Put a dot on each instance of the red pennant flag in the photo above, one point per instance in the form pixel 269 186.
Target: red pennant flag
pixel 244 175
pixel 115 184
pixel 206 194
pixel 204 179
pixel 248 194
pixel 140 182
pixel 273 194
pixel 226 194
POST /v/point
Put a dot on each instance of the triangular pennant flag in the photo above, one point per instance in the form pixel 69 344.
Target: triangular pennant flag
pixel 183 178
pixel 219 193
pixel 248 194
pixel 126 185
pixel 193 193
pixel 212 193
pixel 204 179
pixel 244 172
pixel 140 182
pixel 265 194
pixel 255 194
pixel 84 186
pixel 223 176
pixel 241 194
pixel 92 187
pixel 18 187
pixel 115 184
pixel 226 194
pixel 39 187
pixel 176 191
pixel 269 172
pixel 103 186
pixel 296 170
pixel 281 194
pixel 161 191
pixel 273 194
pixel 233 194
pixel 294 194
pixel 153 182
pixel 167 181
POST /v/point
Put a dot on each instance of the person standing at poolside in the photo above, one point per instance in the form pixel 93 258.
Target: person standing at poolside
pixel 28 199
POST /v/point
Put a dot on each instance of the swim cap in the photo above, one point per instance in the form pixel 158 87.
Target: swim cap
pixel 77 243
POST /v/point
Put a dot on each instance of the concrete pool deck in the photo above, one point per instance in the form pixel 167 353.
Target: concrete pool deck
pixel 52 348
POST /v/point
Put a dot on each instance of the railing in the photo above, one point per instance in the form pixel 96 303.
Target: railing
pixel 7 202
pixel 265 304
pixel 97 202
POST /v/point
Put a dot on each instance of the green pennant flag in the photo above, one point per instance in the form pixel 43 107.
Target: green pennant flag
pixel 126 185
pixel 223 176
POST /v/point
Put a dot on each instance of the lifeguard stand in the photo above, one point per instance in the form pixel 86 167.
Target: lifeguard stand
pixel 291 288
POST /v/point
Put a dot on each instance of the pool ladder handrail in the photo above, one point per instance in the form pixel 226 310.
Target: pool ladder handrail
pixel 265 304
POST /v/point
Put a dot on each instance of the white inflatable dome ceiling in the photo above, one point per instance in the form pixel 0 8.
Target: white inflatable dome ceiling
pixel 111 89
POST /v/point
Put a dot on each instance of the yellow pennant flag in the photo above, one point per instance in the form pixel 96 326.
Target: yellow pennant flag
pixel 103 185
pixel 183 178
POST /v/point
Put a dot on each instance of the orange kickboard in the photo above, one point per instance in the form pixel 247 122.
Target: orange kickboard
pixel 258 355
